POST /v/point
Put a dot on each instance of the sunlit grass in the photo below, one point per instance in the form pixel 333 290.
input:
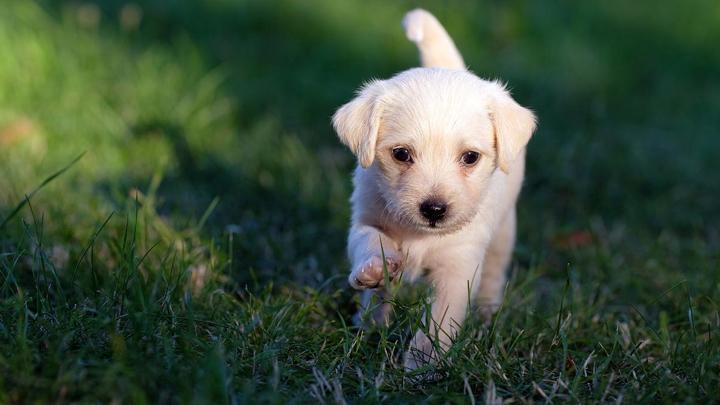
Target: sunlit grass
pixel 196 251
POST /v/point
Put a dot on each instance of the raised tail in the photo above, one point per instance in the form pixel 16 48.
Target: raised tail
pixel 435 45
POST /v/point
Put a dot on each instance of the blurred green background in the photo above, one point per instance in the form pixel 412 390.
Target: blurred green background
pixel 205 127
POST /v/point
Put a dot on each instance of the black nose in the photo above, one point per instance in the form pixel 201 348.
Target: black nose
pixel 433 210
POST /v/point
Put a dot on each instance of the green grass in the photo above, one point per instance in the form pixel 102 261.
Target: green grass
pixel 195 253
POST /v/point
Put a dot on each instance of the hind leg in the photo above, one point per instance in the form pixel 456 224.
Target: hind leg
pixel 497 260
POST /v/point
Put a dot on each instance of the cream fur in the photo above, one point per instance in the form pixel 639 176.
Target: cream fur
pixel 437 112
pixel 436 47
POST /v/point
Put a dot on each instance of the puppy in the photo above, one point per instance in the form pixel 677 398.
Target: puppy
pixel 441 158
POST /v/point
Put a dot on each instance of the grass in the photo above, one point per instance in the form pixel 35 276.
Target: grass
pixel 195 253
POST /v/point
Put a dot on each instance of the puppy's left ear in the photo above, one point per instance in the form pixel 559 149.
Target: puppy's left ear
pixel 357 123
pixel 514 125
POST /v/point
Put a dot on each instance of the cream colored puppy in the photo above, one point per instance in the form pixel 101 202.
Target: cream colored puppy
pixel 441 157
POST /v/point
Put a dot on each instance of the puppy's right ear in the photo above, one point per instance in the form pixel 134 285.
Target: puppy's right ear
pixel 357 123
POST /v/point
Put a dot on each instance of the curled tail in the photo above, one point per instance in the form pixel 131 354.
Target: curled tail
pixel 435 45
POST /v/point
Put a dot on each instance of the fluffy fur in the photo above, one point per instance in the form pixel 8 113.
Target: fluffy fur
pixel 437 113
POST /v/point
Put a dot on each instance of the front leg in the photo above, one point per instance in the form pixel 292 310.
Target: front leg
pixel 367 246
pixel 455 282
pixel 374 308
pixel 495 267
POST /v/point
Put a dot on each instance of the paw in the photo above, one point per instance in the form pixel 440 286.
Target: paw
pixel 420 353
pixel 413 360
pixel 374 309
pixel 370 273
pixel 488 305
pixel 380 316
pixel 487 311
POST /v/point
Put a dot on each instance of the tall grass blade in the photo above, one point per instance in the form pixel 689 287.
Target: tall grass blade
pixel 38 188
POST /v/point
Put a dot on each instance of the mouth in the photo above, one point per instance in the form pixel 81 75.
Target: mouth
pixel 434 224
pixel 437 228
pixel 443 226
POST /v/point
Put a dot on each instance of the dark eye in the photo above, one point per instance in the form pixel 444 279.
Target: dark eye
pixel 402 155
pixel 469 158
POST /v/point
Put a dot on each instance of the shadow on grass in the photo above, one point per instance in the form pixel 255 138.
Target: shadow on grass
pixel 627 109
pixel 286 229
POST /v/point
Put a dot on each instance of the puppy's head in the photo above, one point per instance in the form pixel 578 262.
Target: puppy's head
pixel 434 137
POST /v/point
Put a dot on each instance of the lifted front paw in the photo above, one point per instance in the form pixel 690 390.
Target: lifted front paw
pixel 371 274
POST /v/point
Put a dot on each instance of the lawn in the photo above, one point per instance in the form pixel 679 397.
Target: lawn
pixel 182 203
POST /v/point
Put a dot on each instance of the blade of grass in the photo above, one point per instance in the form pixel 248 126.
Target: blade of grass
pixel 45 182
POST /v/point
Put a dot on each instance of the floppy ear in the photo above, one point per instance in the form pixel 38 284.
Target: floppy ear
pixel 514 125
pixel 357 122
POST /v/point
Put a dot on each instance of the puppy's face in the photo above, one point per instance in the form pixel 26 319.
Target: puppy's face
pixel 435 156
pixel 434 137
